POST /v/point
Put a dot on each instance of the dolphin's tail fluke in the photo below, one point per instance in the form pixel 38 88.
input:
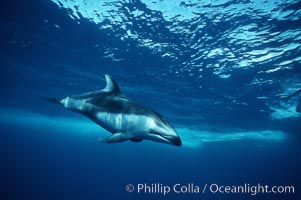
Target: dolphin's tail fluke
pixel 52 100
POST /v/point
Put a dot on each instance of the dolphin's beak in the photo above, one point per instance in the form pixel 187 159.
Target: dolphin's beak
pixel 168 135
pixel 173 140
pixel 52 100
pixel 176 141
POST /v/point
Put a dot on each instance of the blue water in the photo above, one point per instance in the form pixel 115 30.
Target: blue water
pixel 216 70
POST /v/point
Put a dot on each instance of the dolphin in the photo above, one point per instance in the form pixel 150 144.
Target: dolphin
pixel 119 115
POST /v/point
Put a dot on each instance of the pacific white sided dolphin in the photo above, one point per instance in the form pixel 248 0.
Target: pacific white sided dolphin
pixel 124 118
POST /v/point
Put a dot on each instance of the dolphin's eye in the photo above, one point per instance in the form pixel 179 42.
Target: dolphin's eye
pixel 152 131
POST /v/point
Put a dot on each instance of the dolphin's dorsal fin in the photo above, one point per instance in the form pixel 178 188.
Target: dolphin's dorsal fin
pixel 112 85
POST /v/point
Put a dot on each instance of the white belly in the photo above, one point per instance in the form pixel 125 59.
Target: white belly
pixel 125 123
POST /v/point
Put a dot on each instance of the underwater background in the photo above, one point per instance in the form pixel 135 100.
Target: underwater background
pixel 215 69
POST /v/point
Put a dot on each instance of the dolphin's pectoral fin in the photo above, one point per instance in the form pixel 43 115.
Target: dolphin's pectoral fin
pixel 115 138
